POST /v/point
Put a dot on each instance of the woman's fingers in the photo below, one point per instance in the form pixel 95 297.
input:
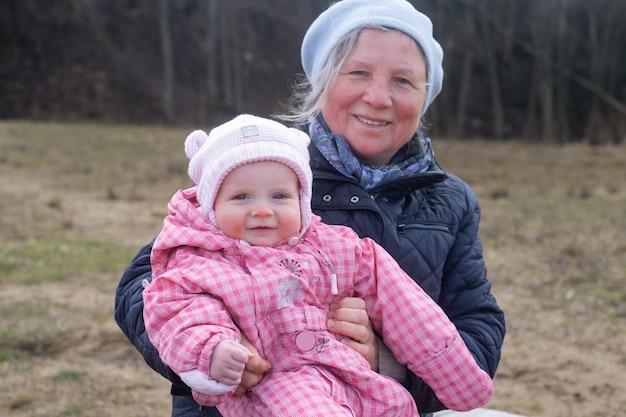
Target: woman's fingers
pixel 254 371
pixel 348 317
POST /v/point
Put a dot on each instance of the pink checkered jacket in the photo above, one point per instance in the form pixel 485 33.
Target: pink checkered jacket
pixel 208 287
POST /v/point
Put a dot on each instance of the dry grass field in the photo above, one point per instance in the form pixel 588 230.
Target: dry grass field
pixel 77 201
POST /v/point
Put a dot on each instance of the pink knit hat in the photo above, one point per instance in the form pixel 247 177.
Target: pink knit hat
pixel 240 141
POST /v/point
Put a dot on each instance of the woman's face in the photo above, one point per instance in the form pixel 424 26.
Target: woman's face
pixel 378 96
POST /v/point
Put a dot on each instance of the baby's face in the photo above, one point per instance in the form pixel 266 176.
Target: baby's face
pixel 259 202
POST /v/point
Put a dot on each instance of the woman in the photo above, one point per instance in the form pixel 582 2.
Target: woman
pixel 373 68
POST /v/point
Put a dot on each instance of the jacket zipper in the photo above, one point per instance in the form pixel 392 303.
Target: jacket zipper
pixel 333 277
pixel 438 227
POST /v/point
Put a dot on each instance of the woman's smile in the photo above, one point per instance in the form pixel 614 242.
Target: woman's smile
pixel 371 122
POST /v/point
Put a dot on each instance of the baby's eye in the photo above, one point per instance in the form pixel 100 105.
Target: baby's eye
pixel 280 196
pixel 240 197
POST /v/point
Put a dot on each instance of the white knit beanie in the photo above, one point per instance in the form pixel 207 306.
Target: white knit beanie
pixel 342 17
pixel 240 141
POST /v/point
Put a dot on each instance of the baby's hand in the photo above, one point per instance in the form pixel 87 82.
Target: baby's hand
pixel 228 361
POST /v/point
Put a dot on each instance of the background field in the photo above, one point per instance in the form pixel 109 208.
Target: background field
pixel 77 201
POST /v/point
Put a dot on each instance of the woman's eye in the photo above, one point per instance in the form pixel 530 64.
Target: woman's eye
pixel 403 81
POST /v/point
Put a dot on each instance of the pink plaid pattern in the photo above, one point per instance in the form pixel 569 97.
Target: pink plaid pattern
pixel 275 294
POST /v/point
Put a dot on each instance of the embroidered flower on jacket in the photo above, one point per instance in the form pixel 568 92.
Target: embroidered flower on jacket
pixel 292 266
pixel 322 343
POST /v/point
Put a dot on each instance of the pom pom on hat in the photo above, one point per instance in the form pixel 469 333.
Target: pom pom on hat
pixel 342 17
pixel 243 140
pixel 194 142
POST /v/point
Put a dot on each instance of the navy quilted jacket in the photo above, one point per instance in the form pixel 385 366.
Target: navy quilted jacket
pixel 429 224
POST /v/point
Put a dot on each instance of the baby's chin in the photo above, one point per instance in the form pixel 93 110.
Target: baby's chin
pixel 262 239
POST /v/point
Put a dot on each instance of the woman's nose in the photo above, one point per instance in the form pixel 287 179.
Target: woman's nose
pixel 378 93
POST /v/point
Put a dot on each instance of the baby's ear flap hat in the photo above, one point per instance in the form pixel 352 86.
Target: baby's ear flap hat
pixel 344 16
pixel 243 140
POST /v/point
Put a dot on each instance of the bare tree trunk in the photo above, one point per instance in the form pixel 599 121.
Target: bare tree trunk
pixel 603 65
pixel 226 29
pixel 236 57
pixel 530 125
pixel 211 50
pixel 168 60
pixel 563 42
pixel 546 90
pixel 542 38
pixel 494 79
pixel 439 113
pixel 466 78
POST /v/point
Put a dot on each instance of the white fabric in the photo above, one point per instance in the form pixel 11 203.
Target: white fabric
pixel 479 412
pixel 202 383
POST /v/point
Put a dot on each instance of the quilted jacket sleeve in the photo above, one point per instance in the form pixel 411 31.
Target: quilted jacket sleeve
pixel 466 298
pixel 466 293
pixel 129 313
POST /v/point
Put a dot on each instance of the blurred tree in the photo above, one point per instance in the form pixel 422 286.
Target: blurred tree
pixel 211 50
pixel 604 30
pixel 466 74
pixel 168 60
pixel 540 15
pixel 492 66
pixel 544 70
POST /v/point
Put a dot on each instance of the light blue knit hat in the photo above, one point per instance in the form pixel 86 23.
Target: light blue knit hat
pixel 344 16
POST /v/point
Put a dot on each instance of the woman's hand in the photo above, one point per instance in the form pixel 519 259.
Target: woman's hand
pixel 348 317
pixel 255 368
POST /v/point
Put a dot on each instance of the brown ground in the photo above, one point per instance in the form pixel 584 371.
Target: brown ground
pixel 553 229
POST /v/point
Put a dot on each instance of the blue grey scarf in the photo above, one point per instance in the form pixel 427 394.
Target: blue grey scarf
pixel 410 159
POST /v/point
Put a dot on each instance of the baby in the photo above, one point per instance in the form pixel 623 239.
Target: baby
pixel 242 253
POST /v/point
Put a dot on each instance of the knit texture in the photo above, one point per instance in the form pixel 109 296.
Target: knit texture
pixel 344 16
pixel 243 140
